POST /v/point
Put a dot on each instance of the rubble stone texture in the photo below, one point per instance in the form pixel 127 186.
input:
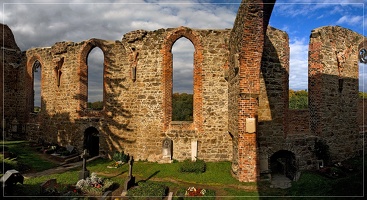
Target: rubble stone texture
pixel 239 73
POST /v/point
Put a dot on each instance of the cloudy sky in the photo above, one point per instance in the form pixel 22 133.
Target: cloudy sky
pixel 41 23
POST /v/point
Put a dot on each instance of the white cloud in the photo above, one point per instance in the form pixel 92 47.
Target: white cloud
pixel 350 20
pixel 298 64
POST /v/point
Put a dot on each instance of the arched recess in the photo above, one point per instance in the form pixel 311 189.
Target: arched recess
pixel 284 162
pixel 171 38
pixel 33 62
pixel 82 95
pixel 91 141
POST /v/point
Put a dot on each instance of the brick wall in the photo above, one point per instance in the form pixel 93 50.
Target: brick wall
pixel 333 88
pixel 246 49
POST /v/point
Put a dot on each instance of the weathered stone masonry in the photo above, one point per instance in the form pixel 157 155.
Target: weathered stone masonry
pixel 239 74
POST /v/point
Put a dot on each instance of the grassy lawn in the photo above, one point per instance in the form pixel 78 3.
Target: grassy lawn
pixel 27 158
pixel 217 177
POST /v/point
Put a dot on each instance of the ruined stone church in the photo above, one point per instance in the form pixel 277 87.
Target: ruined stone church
pixel 240 95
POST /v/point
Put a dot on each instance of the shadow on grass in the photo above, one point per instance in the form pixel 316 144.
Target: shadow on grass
pixel 151 176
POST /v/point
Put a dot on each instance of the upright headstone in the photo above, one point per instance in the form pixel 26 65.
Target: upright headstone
pixel 194 150
pixel 84 173
pixel 49 184
pixel 130 182
pixel 9 179
pixel 167 149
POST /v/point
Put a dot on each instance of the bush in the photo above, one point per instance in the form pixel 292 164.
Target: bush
pixel 198 166
pixel 147 189
pixel 121 156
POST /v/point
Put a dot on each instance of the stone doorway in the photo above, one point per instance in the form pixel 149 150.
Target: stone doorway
pixel 91 141
pixel 284 163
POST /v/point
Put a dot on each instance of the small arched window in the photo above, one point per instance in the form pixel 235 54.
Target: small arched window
pixel 36 74
pixel 182 80
pixel 95 79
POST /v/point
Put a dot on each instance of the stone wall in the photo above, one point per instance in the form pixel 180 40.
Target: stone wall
pixel 333 88
pixel 12 77
pixel 239 74
pixel 137 112
pixel 298 122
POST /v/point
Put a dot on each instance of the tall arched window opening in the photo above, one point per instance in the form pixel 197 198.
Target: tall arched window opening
pixel 36 70
pixel 95 79
pixel 182 80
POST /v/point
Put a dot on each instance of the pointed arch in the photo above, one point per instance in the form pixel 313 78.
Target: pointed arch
pixel 182 80
pixel 167 84
pixel 83 72
pixel 33 63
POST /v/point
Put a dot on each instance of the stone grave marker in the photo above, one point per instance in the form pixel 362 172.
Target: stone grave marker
pixel 194 150
pixel 9 179
pixel 167 149
pixel 130 182
pixel 70 148
pixel 84 173
pixel 49 184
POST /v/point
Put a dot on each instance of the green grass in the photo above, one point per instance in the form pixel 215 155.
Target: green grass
pixel 217 177
pixel 27 156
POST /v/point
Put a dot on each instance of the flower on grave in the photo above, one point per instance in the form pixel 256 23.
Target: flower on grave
pixel 192 191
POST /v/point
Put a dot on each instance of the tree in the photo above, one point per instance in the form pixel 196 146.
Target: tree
pixel 98 105
pixel 182 107
pixel 298 99
pixel 363 95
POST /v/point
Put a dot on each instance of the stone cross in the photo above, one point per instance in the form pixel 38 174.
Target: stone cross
pixel 131 162
pixel 130 182
pixel 84 173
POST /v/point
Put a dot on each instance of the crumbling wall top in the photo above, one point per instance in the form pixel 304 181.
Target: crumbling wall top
pixel 8 40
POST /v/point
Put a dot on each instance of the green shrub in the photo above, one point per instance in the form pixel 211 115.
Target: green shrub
pixel 150 190
pixel 198 166
pixel 121 156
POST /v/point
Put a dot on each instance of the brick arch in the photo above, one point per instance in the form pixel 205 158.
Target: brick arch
pixel 170 39
pixel 29 82
pixel 83 71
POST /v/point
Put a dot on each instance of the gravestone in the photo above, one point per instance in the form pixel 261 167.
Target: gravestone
pixel 70 148
pixel 84 173
pixel 130 182
pixel 167 149
pixel 9 179
pixel 49 184
pixel 194 150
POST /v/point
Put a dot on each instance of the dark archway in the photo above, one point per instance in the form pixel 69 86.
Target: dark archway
pixel 284 162
pixel 91 141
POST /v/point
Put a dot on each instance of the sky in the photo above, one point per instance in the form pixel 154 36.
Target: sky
pixel 41 23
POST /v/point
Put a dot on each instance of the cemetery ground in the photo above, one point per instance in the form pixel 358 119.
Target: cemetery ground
pixel 216 178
